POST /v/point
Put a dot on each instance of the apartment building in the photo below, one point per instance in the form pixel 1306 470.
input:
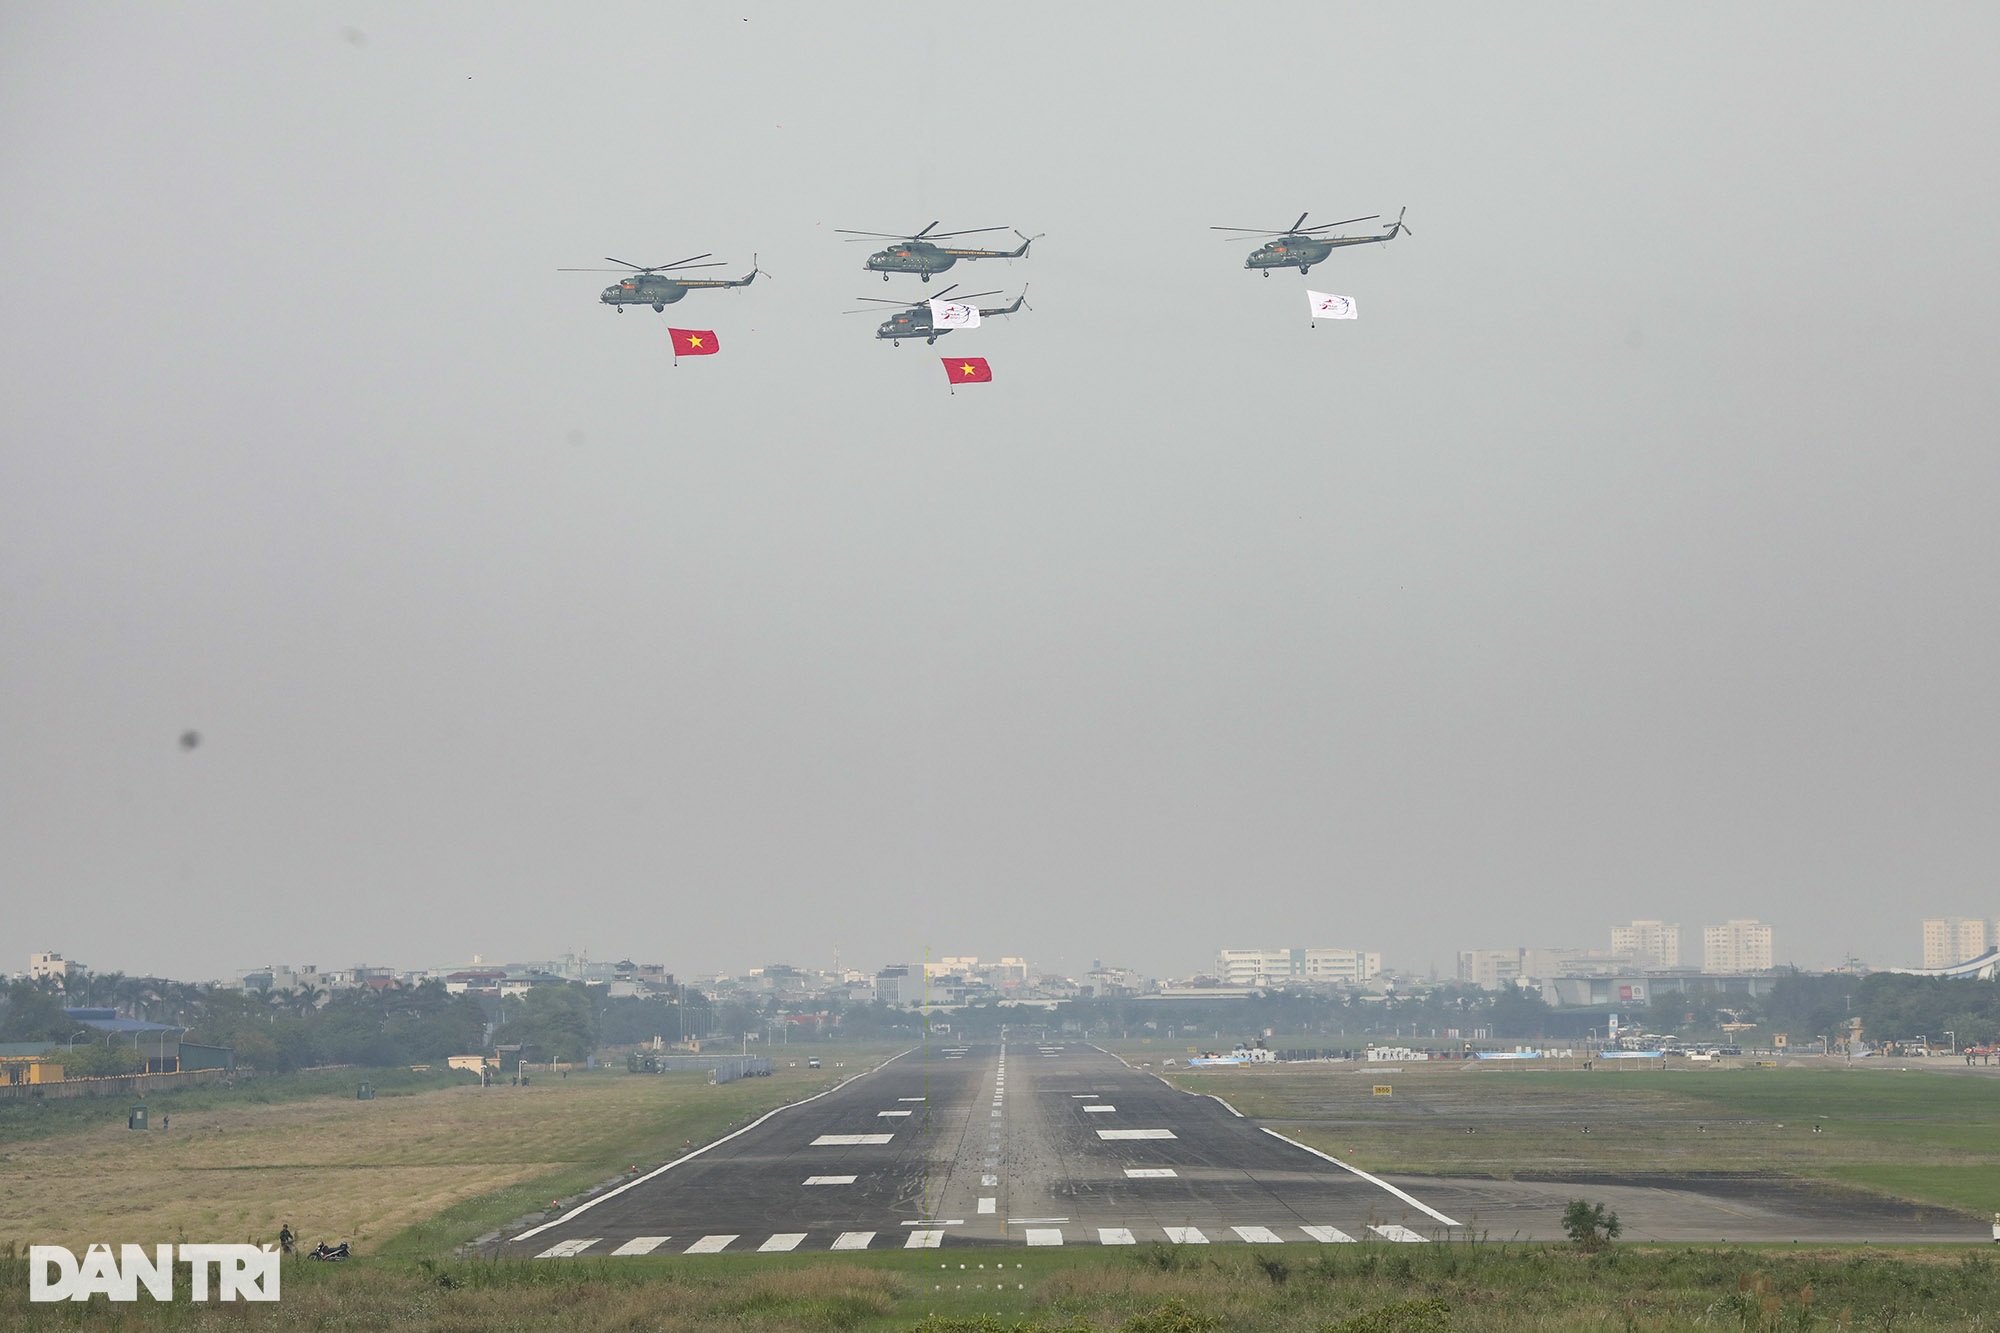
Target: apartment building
pixel 1736 946
pixel 1954 939
pixel 1279 967
pixel 1649 944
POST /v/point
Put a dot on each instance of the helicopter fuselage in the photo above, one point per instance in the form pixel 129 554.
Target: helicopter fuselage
pixel 924 259
pixel 643 291
pixel 1302 252
pixel 915 322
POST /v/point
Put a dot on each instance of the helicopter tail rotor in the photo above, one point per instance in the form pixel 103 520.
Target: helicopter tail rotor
pixel 1399 226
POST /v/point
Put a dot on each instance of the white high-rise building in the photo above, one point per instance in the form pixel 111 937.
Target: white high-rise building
pixel 1650 943
pixel 1736 946
pixel 1275 967
pixel 1954 939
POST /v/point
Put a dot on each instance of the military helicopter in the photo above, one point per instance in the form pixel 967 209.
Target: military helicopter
pixel 917 255
pixel 652 286
pixel 1299 248
pixel 914 320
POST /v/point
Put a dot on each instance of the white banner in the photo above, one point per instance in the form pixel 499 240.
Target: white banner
pixel 954 315
pixel 1328 306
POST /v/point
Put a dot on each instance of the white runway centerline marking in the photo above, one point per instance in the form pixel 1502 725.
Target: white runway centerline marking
pixel 1045 1236
pixel 850 1140
pixel 829 1180
pixel 1329 1235
pixel 1186 1235
pixel 1149 1172
pixel 1095 1107
pixel 1399 1233
pixel 1115 1236
pixel 923 1240
pixel 1136 1134
pixel 880 1114
pixel 913 1099
pixel 853 1240
pixel 568 1249
pixel 710 1245
pixel 784 1240
pixel 642 1244
pixel 1259 1235
pixel 989 1180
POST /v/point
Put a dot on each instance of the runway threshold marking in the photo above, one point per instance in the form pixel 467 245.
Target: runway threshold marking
pixel 1045 1236
pixel 923 1240
pixel 1400 1233
pixel 569 1249
pixel 1136 1134
pixel 1115 1236
pixel 880 1114
pixel 1329 1235
pixel 711 1244
pixel 853 1240
pixel 1259 1235
pixel 784 1240
pixel 642 1244
pixel 850 1140
pixel 1185 1235
pixel 989 1205
pixel 830 1180
pixel 1149 1172
pixel 1377 1181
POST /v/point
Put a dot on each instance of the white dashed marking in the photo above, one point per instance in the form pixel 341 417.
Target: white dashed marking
pixel 710 1245
pixel 853 1240
pixel 880 1114
pixel 1149 1172
pixel 784 1240
pixel 642 1244
pixel 568 1248
pixel 1186 1235
pixel 850 1140
pixel 829 1180
pixel 1136 1134
pixel 1328 1235
pixel 1096 1107
pixel 1399 1233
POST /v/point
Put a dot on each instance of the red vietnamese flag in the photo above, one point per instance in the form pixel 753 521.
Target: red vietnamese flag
pixel 694 342
pixel 967 370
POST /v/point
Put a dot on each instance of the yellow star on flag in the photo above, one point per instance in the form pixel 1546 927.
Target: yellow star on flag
pixel 694 340
pixel 965 369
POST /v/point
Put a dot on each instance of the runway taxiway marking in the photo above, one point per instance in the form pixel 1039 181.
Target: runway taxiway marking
pixel 642 1244
pixel 850 1140
pixel 784 1240
pixel 1399 1233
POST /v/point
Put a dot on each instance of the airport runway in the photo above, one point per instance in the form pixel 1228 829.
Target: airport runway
pixel 992 1145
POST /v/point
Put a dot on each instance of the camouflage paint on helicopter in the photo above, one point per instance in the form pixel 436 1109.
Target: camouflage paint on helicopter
pixel 914 320
pixel 917 254
pixel 1297 247
pixel 655 287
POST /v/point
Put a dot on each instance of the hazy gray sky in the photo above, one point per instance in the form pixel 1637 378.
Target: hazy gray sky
pixel 1634 554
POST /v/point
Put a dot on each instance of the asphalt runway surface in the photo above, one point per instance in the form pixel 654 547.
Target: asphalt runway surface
pixel 1046 1145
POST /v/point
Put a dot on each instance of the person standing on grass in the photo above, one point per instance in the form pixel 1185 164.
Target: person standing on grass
pixel 286 1241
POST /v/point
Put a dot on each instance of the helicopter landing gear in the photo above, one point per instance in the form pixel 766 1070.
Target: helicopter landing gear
pixel 885 277
pixel 1267 272
pixel 660 309
pixel 619 308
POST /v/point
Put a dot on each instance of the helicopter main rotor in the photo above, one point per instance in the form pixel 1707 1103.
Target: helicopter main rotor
pixel 925 235
pixel 1297 228
pixel 646 268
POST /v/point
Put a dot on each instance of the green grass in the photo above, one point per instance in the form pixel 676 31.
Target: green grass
pixel 1367 1288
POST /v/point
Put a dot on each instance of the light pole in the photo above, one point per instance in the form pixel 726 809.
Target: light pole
pixel 70 1045
pixel 1952 1038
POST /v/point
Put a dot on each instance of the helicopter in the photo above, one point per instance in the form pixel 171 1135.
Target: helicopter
pixel 914 320
pixel 1297 247
pixel 917 255
pixel 652 286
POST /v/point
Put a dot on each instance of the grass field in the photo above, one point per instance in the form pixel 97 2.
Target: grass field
pixel 416 1173
pixel 1926 1137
